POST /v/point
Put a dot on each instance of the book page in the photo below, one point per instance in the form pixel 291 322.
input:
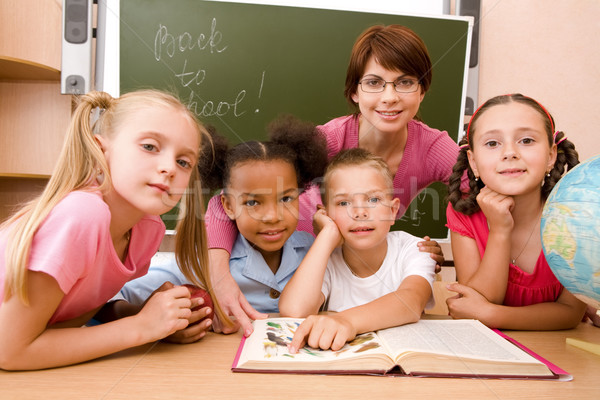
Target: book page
pixel 458 338
pixel 271 337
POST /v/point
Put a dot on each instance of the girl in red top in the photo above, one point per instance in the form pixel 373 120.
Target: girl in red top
pixel 513 158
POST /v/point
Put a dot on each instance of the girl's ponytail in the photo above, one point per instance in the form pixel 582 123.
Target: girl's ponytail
pixel 81 149
pixel 80 162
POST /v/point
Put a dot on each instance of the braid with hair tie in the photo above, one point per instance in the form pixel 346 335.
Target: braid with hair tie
pixel 465 203
pixel 566 159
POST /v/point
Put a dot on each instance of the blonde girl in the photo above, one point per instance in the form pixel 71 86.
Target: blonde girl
pixel 96 225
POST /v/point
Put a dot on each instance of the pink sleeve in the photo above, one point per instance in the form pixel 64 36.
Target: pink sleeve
pixel 67 242
pixel 446 151
pixel 308 202
pixel 222 231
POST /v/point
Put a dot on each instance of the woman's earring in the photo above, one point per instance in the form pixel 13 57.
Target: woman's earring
pixel 476 179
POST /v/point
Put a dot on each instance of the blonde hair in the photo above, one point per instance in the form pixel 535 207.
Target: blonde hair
pixel 80 163
pixel 355 157
pixel 191 251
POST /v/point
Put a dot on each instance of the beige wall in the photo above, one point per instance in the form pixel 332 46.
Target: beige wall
pixel 549 50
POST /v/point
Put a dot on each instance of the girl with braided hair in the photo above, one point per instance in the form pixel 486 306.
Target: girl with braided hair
pixel 513 157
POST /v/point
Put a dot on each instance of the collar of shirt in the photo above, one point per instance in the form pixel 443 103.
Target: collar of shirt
pixel 255 266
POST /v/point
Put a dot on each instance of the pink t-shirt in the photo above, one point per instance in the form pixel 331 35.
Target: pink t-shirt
pixel 428 157
pixel 523 289
pixel 74 246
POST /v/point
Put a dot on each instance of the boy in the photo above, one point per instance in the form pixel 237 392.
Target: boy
pixel 376 279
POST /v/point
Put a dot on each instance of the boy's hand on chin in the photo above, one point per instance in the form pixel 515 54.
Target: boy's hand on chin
pixel 322 223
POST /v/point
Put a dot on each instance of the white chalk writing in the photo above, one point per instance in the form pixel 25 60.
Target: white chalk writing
pixel 187 78
pixel 211 108
pixel 168 44
pixel 163 40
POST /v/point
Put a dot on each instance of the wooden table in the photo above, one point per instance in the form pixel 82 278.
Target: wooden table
pixel 202 370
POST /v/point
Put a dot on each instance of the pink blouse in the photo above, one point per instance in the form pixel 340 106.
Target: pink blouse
pixel 523 289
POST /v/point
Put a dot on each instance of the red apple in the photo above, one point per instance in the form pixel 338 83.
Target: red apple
pixel 195 291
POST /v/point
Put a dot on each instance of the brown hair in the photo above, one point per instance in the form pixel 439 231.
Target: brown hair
pixel 395 47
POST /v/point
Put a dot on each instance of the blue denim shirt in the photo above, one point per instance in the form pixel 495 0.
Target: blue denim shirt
pixel 249 269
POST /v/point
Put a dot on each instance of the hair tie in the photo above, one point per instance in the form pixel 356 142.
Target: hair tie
pixel 95 114
pixel 464 146
pixel 561 140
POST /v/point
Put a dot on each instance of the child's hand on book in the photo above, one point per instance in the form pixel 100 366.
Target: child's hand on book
pixel 324 332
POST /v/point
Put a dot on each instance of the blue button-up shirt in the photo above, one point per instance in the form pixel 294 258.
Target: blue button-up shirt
pixel 254 277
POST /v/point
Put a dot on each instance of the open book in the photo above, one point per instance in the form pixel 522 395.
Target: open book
pixel 450 348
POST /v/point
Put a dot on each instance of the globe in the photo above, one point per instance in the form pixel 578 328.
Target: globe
pixel 570 230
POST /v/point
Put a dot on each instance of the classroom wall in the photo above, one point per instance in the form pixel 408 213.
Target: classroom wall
pixel 549 50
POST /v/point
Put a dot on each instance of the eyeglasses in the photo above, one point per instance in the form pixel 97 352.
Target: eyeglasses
pixel 377 85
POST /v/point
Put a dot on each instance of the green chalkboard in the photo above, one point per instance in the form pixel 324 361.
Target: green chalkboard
pixel 240 65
